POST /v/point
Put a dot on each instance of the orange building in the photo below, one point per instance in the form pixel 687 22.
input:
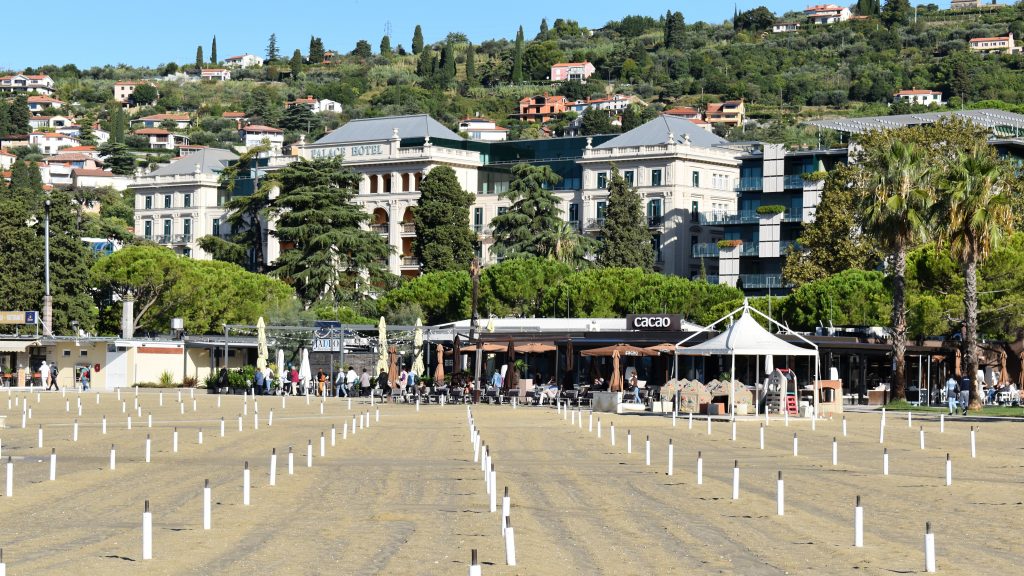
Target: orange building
pixel 541 108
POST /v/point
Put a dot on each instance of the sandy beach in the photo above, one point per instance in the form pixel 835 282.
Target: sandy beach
pixel 404 496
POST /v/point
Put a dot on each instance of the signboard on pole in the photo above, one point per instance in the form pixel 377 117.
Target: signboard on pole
pixel 9 317
pixel 326 336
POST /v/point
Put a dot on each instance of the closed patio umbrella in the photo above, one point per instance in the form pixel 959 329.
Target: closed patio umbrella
pixel 382 346
pixel 615 385
pixel 439 369
pixel 512 379
pixel 456 353
pixel 417 343
pixel 261 344
pixel 305 374
pixel 392 366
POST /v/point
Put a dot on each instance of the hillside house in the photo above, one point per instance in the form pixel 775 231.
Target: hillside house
pixel 782 27
pixel 483 129
pixel 162 139
pixel 731 112
pixel 316 106
pixel 37 104
pixel 824 14
pixel 255 134
pixel 563 71
pixel 39 83
pixel 181 120
pixel 997 44
pixel 51 142
pixel 243 61
pixel 923 97
pixel 541 108
pixel 216 74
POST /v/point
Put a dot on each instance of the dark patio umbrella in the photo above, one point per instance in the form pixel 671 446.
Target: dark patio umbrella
pixel 456 353
pixel 512 378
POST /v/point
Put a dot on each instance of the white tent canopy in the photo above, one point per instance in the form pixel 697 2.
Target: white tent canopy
pixel 746 337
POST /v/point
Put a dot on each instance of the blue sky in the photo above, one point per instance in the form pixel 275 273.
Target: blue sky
pixel 109 32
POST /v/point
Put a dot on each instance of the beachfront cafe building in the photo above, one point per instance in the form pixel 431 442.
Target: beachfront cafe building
pixel 857 362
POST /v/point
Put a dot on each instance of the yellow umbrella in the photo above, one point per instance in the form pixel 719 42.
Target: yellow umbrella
pixel 382 346
pixel 261 344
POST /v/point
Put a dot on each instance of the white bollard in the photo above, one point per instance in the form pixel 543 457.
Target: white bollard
pixel 510 542
pixel 194 409
pixel 221 426
pixel 762 436
pixel 974 451
pixel 885 462
pixel 344 431
pixel 40 435
pixel 881 432
pixel 53 464
pixel 129 422
pixel 598 428
pixel 162 398
pixel 612 432
pixel 174 443
pixel 323 444
pixel 673 418
pixel 245 484
pixel 910 420
pixel 309 454
pixel 949 470
pixel 700 469
pixel 942 423
pixel 239 422
pixel 494 490
pixel 273 466
pixel 921 434
pixel 270 419
pixel 647 450
pixel 629 441
pixel 149 420
pixel 736 480
pixel 929 548
pixel 104 425
pixel 796 445
pixel 474 565
pixel 291 461
pixel 206 505
pixel 590 423
pixel 334 435
pixel 835 452
pixel 149 449
pixel 814 420
pixel 113 458
pixel 200 439
pixel 689 420
pixel 780 497
pixel 858 525
pixel 147 533
pixel 506 507
pixel 74 432
pixel 670 456
pixel 709 425
pixel 218 401
pixel 10 477
pixel 255 420
pixel 844 426
pixel 376 416
pixel 786 417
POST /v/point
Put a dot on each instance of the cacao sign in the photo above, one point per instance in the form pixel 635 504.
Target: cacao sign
pixel 653 322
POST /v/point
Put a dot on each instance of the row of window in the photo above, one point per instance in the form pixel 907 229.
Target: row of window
pixel 186 201
pixel 186 227
pixel 718 181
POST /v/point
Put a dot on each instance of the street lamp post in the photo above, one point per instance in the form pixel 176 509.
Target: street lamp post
pixel 47 299
pixel 474 272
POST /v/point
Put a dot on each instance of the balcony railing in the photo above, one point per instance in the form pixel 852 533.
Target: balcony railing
pixel 705 250
pixel 761 281
pixel 410 261
pixel 408 227
pixel 749 183
pixel 595 224
pixel 379 228
pixel 656 221
pixel 182 238
pixel 748 249
pixel 163 239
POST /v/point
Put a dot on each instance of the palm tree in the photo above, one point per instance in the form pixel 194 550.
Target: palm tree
pixel 976 214
pixel 570 247
pixel 897 196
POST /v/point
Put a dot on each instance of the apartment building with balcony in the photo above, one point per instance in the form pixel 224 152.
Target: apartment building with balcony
pixel 183 201
pixel 681 171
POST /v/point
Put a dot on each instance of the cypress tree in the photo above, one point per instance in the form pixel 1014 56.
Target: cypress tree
pixel 543 29
pixel 272 53
pixel 627 242
pixel 471 65
pixel 199 58
pixel 444 240
pixel 316 50
pixel 417 40
pixel 20 244
pixel 213 50
pixel 18 115
pixel 5 121
pixel 517 58
pixel 296 63
pixel 385 45
pixel 424 64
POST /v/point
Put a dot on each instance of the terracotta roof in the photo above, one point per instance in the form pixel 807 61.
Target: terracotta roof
pixel 233 115
pixel 823 7
pixel 65 156
pixel 53 135
pixel 80 149
pixel 912 92
pixel 92 172
pixel 152 132
pixel 212 70
pixel 682 111
pixel 714 107
pixel 29 76
pixel 261 128
pixel 32 99
pixel 162 117
pixel 697 121
pixel 127 83
pixel 997 38
pixel 556 64
pixel 234 57
pixel 6 153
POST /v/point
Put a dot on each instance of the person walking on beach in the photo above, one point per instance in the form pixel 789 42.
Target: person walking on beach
pixel 965 393
pixel 53 377
pixel 364 381
pixel 952 391
pixel 293 378
pixel 382 383
pixel 351 378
